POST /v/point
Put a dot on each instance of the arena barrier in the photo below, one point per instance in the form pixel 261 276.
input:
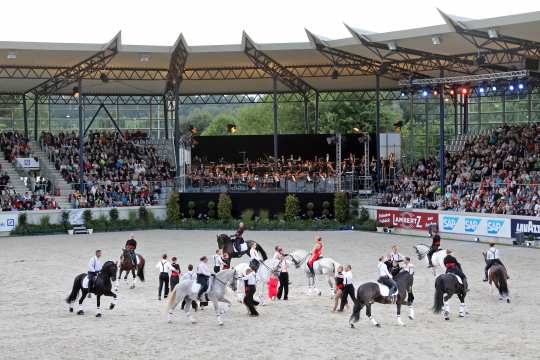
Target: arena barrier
pixel 456 225
pixel 9 219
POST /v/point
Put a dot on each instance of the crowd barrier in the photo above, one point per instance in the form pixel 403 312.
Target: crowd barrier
pixel 457 225
pixel 9 219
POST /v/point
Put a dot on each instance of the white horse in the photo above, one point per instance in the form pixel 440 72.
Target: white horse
pixel 324 267
pixel 187 290
pixel 263 273
pixel 437 259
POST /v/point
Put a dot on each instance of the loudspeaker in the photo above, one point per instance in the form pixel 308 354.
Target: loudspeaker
pixel 532 64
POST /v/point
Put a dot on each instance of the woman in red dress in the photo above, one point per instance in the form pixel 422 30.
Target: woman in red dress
pixel 315 254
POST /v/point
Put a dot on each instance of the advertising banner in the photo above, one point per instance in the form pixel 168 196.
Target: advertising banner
pixel 8 222
pixel 475 225
pixel 27 163
pixel 525 226
pixel 414 220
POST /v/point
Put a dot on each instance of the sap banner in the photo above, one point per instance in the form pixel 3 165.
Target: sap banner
pixel 475 225
pixel 8 222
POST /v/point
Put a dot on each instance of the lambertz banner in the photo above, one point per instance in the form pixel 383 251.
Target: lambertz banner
pixel 414 220
pixel 525 226
pixel 475 225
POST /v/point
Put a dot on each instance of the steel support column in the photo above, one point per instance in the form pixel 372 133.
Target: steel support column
pixel 377 128
pixel 504 107
pixel 166 116
pixel 317 115
pixel 306 115
pixel 275 111
pixel 441 137
pixel 479 112
pixel 455 116
pixel 426 128
pixel 412 126
pixel 465 114
pixel 25 116
pixel 36 117
pixel 529 106
pixel 81 138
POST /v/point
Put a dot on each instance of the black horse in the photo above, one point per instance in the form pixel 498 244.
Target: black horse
pixel 369 293
pixel 225 243
pixel 102 286
pixel 446 285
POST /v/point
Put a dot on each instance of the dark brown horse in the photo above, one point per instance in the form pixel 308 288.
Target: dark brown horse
pixel 225 243
pixel 126 264
pixel 102 287
pixel 370 293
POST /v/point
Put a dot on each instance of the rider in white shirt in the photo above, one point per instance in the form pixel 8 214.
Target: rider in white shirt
pixel 94 267
pixel 396 258
pixel 492 258
pixel 189 275
pixel 255 257
pixel 408 266
pixel 217 260
pixel 385 277
pixel 203 276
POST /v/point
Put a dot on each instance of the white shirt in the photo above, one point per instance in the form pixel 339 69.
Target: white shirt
pixel 396 257
pixel 382 270
pixel 254 254
pixel 94 265
pixel 492 254
pixel 190 275
pixel 277 255
pixel 164 266
pixel 202 269
pixel 347 278
pixel 218 261
pixel 283 266
pixel 409 268
pixel 251 278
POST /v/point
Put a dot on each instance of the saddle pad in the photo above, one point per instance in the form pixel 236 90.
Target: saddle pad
pixel 85 282
pixel 317 267
pixel 458 279
pixel 195 287
pixel 243 246
pixel 384 290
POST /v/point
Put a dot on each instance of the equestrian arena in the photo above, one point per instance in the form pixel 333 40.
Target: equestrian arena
pixel 37 274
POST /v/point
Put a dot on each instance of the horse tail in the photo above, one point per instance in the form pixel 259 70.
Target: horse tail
pixel 355 316
pixel 74 291
pixel 503 284
pixel 172 299
pixel 439 293
pixel 140 271
pixel 263 253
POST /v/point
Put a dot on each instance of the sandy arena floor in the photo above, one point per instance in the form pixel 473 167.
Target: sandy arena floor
pixel 36 274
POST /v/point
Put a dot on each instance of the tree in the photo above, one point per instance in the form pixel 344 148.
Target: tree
pixel 218 126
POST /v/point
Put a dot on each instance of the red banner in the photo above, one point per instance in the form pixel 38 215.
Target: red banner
pixel 407 219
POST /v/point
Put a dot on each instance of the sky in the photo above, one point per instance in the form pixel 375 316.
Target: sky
pixel 206 22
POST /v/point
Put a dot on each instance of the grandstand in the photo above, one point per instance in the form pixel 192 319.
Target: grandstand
pixel 103 120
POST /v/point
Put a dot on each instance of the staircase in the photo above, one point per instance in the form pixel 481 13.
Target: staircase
pixel 15 180
pixel 47 170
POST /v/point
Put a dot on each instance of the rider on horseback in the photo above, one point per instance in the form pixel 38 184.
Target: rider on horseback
pixel 131 245
pixel 315 254
pixel 203 276
pixel 385 278
pixel 238 240
pixel 435 244
pixel 454 267
pixel 255 257
pixel 94 267
pixel 492 258
pixel 395 258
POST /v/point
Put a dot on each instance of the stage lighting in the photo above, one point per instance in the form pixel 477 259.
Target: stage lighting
pixel 103 77
pixel 464 91
pixel 520 86
pixel 424 93
pixel 392 46
pixel 511 87
pixel 231 128
pixel 492 33
pixel 356 130
pixel 481 90
pixel 435 40
pixel 76 93
pixel 435 93
pixel 452 92
pixel 493 88
pixel 403 93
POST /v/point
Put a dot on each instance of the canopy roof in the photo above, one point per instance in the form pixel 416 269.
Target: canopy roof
pixel 458 47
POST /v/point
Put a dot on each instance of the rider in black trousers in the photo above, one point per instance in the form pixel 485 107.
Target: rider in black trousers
pixel 251 281
pixel 348 288
pixel 163 266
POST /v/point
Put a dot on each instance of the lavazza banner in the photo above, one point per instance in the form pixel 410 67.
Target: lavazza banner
pixel 525 226
pixel 475 225
pixel 414 220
